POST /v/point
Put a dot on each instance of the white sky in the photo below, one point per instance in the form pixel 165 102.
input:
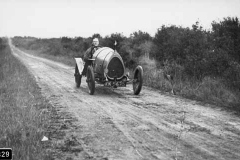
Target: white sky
pixel 57 18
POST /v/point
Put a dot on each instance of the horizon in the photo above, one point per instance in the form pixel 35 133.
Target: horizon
pixel 74 18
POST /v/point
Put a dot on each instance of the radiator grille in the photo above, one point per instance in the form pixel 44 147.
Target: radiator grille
pixel 115 68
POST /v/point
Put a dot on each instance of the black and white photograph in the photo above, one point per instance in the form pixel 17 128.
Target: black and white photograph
pixel 120 80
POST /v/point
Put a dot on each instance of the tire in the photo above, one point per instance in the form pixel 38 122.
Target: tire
pixel 78 77
pixel 137 80
pixel 90 80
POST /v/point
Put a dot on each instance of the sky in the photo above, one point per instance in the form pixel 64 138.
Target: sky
pixel 73 18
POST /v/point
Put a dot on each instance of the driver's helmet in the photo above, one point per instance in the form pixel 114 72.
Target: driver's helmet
pixel 95 42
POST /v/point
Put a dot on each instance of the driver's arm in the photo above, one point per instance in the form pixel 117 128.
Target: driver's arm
pixel 87 54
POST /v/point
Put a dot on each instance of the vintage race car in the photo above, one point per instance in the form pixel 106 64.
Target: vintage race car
pixel 106 67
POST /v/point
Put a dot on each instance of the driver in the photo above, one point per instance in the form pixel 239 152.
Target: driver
pixel 89 53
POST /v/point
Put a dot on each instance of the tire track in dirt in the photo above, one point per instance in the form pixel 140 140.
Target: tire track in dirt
pixel 119 125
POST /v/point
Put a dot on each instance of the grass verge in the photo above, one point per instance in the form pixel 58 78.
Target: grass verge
pixel 208 90
pixel 24 115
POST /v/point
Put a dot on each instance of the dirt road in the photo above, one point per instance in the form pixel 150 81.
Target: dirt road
pixel 119 125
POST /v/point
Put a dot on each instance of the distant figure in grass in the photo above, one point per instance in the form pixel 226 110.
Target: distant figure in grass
pixel 170 79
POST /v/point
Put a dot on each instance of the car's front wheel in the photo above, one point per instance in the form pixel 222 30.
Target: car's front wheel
pixel 90 80
pixel 78 77
pixel 137 80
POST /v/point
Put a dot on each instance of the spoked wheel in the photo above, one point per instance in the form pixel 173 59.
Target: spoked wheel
pixel 78 77
pixel 137 80
pixel 90 80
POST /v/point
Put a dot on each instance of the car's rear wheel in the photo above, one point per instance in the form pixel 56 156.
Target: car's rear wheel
pixel 90 80
pixel 137 80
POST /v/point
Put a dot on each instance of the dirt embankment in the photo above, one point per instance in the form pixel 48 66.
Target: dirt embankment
pixel 119 125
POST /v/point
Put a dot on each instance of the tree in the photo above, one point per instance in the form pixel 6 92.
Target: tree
pixel 226 36
pixel 146 48
pixel 226 44
pixel 109 41
pixel 140 37
pixel 183 46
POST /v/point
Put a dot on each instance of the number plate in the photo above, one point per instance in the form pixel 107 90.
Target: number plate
pixel 5 153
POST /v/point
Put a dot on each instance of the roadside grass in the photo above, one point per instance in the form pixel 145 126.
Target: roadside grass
pixel 24 113
pixel 209 90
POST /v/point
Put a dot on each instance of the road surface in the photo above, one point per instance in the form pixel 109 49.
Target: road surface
pixel 117 125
